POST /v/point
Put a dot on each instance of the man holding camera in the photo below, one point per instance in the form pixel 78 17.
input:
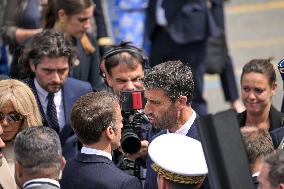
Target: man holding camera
pixel 169 91
pixel 123 67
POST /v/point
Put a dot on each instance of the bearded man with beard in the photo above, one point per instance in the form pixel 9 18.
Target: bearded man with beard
pixel 47 60
pixel 168 90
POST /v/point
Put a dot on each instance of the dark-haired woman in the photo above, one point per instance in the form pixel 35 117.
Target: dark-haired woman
pixel 74 18
pixel 258 86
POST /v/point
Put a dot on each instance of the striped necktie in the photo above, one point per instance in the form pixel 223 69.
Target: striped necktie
pixel 51 113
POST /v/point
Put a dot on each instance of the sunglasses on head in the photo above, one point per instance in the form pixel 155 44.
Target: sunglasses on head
pixel 11 117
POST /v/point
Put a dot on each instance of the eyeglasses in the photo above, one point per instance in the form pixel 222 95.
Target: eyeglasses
pixel 13 117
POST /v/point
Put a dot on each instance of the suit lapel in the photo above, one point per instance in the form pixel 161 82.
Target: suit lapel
pixel 276 119
pixel 31 84
pixel 68 101
pixel 69 97
pixel 193 131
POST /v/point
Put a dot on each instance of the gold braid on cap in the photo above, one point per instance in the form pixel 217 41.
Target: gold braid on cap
pixel 176 177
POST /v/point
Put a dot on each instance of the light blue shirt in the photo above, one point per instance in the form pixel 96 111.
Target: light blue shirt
pixel 58 101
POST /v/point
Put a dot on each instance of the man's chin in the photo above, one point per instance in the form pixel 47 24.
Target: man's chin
pixel 54 89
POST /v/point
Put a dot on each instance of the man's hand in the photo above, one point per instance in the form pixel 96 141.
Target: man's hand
pixel 142 153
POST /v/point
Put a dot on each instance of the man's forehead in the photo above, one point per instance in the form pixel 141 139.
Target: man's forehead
pixel 133 65
pixel 121 69
pixel 54 62
pixel 157 93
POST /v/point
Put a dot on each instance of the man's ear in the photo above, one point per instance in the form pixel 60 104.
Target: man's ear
pixel 280 186
pixel 63 162
pixel 108 79
pixel 62 17
pixel 19 173
pixel 18 168
pixel 181 102
pixel 162 182
pixel 32 66
pixel 109 132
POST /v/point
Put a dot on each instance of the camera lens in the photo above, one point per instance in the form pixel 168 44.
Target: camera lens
pixel 130 142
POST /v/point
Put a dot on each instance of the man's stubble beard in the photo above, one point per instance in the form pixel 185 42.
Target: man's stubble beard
pixel 169 119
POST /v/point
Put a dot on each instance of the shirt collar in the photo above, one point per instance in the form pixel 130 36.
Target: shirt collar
pixel 185 128
pixel 39 181
pixel 86 150
pixel 41 92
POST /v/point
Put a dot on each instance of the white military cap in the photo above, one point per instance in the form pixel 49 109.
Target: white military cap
pixel 178 158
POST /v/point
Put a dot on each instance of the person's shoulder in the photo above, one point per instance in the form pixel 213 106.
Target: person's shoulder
pixel 127 181
pixel 78 84
pixel 277 136
pixel 162 132
pixel 279 132
pixel 274 111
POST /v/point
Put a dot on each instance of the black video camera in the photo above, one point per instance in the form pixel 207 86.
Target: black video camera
pixel 133 119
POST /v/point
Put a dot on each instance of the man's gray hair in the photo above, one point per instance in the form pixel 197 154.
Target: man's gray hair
pixel 38 148
pixel 275 161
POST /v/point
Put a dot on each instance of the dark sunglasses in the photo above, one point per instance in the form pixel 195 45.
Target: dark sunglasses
pixel 11 117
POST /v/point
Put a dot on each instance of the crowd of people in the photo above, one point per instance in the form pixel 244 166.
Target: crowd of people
pixel 64 109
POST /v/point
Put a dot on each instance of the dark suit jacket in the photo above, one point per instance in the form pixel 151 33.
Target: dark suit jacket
pixel 151 175
pixel 188 20
pixel 95 171
pixel 276 118
pixel 72 90
pixel 89 67
pixel 277 136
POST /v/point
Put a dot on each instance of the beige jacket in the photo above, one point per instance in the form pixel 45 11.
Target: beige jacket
pixel 7 180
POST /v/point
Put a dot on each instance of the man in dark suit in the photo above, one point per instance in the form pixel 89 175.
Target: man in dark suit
pixel 272 173
pixel 277 136
pixel 97 121
pixel 123 66
pixel 178 30
pixel 258 144
pixel 47 59
pixel 38 158
pixel 169 88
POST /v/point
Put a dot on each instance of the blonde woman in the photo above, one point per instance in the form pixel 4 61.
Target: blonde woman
pixel 18 110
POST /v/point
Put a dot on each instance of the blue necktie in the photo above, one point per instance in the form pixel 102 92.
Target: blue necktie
pixel 51 113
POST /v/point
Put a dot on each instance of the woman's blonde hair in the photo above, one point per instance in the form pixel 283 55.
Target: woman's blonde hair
pixel 23 100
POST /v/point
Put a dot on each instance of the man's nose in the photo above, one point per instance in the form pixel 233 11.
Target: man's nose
pixel 129 86
pixel 147 109
pixel 87 24
pixel 56 76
